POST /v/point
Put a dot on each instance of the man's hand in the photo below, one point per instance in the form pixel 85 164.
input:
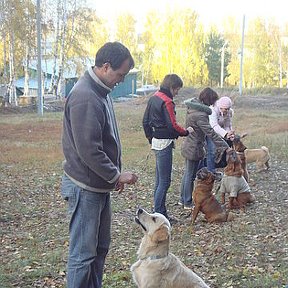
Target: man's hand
pixel 125 178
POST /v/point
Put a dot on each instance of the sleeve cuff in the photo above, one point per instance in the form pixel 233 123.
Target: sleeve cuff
pixel 114 179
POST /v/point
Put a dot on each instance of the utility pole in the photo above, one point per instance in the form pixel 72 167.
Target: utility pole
pixel 241 61
pixel 39 56
pixel 222 63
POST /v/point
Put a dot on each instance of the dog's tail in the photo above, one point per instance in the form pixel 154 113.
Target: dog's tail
pixel 267 156
pixel 265 149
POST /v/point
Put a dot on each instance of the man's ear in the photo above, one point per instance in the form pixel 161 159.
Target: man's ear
pixel 161 234
pixel 105 66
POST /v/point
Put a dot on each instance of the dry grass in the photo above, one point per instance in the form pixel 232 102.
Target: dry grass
pixel 248 252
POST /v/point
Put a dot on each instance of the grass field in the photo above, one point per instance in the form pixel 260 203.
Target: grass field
pixel 251 251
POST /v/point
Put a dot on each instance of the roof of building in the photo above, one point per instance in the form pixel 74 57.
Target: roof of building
pixel 33 83
pixel 74 67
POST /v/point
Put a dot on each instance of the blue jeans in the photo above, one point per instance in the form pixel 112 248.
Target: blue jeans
pixel 90 234
pixel 163 178
pixel 187 184
pixel 210 155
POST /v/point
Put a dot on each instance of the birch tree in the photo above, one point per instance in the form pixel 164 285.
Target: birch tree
pixel 126 32
pixel 261 69
pixel 29 16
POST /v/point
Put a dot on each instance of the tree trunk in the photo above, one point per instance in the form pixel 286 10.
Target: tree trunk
pixel 26 71
pixel 12 97
pixel 62 52
pixel 53 84
pixel 280 66
pixel 5 74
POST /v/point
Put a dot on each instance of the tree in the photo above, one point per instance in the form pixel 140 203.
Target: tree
pixel 148 44
pixel 12 26
pixel 232 32
pixel 126 32
pixel 169 50
pixel 260 52
pixel 213 50
pixel 29 16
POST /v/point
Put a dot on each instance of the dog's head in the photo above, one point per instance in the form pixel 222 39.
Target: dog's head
pixel 155 225
pixel 233 167
pixel 205 175
pixel 238 144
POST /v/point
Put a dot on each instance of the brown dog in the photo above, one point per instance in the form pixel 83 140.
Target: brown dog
pixel 205 201
pixel 239 147
pixel 260 156
pixel 235 184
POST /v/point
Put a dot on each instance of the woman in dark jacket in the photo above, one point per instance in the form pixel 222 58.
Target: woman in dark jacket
pixel 161 129
pixel 193 146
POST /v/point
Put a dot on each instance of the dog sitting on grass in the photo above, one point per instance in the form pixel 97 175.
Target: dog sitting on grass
pixel 205 201
pixel 156 267
pixel 234 184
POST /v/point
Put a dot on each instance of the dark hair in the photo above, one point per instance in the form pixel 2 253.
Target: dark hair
pixel 113 53
pixel 171 81
pixel 208 96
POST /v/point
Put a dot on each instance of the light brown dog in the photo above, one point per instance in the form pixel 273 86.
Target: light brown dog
pixel 239 147
pixel 156 267
pixel 205 201
pixel 260 156
pixel 234 183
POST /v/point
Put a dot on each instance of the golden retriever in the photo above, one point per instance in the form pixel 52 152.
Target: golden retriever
pixel 205 201
pixel 156 267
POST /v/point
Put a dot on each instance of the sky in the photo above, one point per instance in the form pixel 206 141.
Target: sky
pixel 210 11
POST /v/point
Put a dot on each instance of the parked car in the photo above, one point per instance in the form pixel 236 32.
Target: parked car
pixel 146 89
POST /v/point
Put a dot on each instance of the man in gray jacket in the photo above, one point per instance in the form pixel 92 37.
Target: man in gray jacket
pixel 92 166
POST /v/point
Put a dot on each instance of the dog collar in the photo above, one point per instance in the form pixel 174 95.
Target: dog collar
pixel 153 257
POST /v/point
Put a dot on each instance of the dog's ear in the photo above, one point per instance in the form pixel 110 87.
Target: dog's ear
pixel 162 234
pixel 202 173
pixel 243 135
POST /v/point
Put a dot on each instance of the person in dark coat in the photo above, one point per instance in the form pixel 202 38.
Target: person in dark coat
pixel 161 130
pixel 193 146
pixel 92 166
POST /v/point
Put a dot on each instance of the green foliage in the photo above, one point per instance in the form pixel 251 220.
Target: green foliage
pixel 169 50
pixel 126 34
pixel 86 33
pixel 213 50
pixel 172 41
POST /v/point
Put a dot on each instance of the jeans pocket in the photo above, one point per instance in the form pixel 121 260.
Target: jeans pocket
pixel 70 192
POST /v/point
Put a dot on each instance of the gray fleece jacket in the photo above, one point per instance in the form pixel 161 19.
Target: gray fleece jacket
pixel 193 145
pixel 90 138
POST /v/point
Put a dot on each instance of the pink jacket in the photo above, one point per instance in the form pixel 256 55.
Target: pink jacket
pixel 220 123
